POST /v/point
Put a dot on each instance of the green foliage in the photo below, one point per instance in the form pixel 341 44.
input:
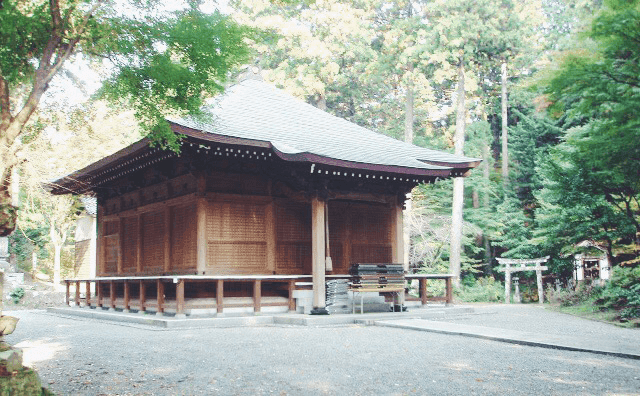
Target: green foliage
pixel 597 92
pixel 171 65
pixel 24 31
pixel 483 289
pixel 622 292
pixel 24 242
pixel 17 294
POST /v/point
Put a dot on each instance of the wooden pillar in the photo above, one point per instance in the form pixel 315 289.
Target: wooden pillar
pixel 397 235
pixel 112 296
pixel 270 228
pixel 160 297
pixel 448 290
pixel 257 295
pixel 292 301
pixel 219 296
pixel 346 244
pixel 397 241
pixel 67 297
pixel 127 297
pixel 142 298
pixel 167 239
pixel 99 294
pixel 201 236
pixel 77 293
pixel 318 256
pixel 540 289
pixel 121 239
pixel 88 293
pixel 139 245
pixel 507 284
pixel 100 251
pixel 423 290
pixel 180 299
pixel 327 248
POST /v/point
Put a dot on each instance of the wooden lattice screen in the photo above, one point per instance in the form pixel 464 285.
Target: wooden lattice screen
pixel 153 230
pixel 130 244
pixel 183 237
pixel 82 263
pixel 293 237
pixel 236 238
pixel 339 234
pixel 111 246
pixel 370 233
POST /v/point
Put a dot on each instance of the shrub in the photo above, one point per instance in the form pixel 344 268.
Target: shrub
pixel 622 292
pixel 485 289
pixel 585 292
pixel 17 294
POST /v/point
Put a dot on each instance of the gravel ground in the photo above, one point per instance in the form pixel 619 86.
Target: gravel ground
pixel 538 319
pixel 91 357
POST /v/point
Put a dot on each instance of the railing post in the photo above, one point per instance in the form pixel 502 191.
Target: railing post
pixel 112 296
pixel 99 294
pixel 292 301
pixel 160 297
pixel 127 297
pixel 142 298
pixel 423 290
pixel 257 295
pixel 87 292
pixel 449 297
pixel 219 296
pixel 67 296
pixel 77 303
pixel 180 298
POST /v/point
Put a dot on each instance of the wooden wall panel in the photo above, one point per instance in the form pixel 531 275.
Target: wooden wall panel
pixel 293 231
pixel 236 233
pixel 339 224
pixel 111 242
pixel 153 227
pixel 183 238
pixel 370 224
pixel 359 232
pixel 183 185
pixel 369 253
pixel 82 259
pixel 130 244
pixel 237 258
pixel 236 183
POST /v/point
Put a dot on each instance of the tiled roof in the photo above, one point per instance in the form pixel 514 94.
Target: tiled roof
pixel 253 113
pixel 255 110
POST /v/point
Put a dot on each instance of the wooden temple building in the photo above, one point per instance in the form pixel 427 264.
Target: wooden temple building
pixel 268 192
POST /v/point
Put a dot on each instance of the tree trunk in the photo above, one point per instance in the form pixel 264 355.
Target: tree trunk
pixel 408 111
pixel 56 265
pixel 505 148
pixel 458 182
pixel 34 261
pixel 486 173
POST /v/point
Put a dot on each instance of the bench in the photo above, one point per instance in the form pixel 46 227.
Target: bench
pixel 423 278
pixel 376 278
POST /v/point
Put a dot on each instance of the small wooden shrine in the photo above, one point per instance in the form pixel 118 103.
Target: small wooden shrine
pixel 268 191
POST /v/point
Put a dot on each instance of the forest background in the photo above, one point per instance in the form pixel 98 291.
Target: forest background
pixel 544 91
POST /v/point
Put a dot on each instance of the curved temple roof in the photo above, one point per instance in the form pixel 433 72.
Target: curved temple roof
pixel 254 113
pixel 257 111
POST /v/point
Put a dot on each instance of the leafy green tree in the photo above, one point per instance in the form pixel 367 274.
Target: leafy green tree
pixel 161 62
pixel 597 89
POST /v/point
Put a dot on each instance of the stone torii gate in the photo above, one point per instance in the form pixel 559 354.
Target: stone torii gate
pixel 522 265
